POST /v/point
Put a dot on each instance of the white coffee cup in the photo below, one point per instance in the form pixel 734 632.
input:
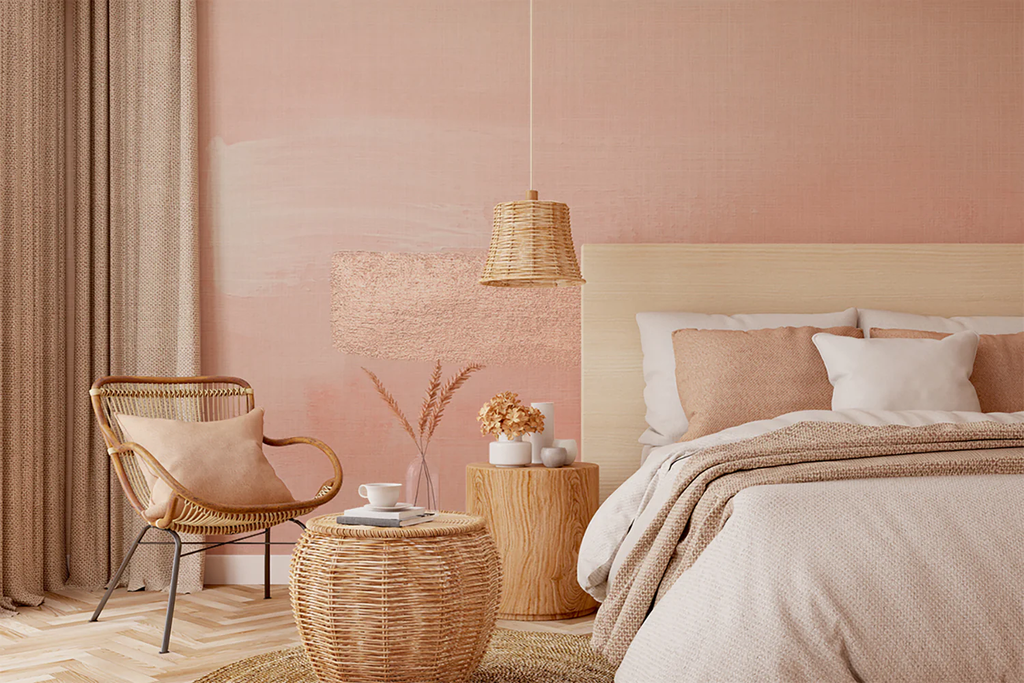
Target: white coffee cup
pixel 381 495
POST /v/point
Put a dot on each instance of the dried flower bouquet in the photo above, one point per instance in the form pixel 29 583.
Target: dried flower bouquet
pixel 505 415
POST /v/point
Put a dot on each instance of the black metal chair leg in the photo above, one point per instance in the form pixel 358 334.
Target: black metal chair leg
pixel 266 564
pixel 117 575
pixel 296 521
pixel 172 593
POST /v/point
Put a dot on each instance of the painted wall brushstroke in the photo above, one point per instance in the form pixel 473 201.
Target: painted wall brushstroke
pixel 394 126
pixel 427 306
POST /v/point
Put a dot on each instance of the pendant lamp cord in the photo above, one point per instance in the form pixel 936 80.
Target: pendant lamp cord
pixel 531 94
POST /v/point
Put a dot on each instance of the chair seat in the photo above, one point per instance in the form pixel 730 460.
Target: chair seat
pixel 212 524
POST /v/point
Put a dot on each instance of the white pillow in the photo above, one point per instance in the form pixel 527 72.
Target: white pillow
pixel 900 374
pixel 666 420
pixel 891 320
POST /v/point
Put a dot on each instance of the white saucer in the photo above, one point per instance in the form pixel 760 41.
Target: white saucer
pixel 396 508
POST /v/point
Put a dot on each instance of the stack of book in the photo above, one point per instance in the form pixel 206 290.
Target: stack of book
pixel 369 516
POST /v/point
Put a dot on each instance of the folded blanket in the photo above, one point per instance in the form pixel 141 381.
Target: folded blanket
pixel 805 452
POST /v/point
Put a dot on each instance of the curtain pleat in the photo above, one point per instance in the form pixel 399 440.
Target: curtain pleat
pixel 152 65
pixel 89 478
pixel 99 246
pixel 32 390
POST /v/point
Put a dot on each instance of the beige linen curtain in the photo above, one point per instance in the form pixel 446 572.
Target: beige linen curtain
pixel 99 247
pixel 33 392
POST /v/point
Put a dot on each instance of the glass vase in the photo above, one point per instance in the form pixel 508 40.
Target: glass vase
pixel 423 482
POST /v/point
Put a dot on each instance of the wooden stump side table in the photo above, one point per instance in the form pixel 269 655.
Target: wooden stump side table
pixel 537 516
pixel 403 605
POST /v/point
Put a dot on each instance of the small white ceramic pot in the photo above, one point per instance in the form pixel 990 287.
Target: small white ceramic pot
pixel 553 457
pixel 571 449
pixel 507 452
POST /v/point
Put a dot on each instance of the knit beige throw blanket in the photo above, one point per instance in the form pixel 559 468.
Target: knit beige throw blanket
pixel 806 452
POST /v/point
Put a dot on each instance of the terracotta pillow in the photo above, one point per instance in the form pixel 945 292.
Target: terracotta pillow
pixel 220 461
pixel 998 375
pixel 729 377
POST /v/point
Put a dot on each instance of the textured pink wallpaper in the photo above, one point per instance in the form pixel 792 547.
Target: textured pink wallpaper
pixel 336 126
pixel 423 306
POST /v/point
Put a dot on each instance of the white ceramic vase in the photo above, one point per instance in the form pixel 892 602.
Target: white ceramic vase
pixel 507 452
pixel 546 437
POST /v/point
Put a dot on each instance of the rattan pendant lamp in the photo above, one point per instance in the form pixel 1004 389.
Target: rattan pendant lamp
pixel 531 243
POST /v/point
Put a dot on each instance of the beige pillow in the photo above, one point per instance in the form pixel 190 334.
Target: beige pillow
pixel 893 320
pixel 901 374
pixel 998 368
pixel 730 377
pixel 666 419
pixel 220 461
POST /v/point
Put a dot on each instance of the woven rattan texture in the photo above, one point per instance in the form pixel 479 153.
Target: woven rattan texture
pixel 513 657
pixel 531 246
pixel 446 524
pixel 410 605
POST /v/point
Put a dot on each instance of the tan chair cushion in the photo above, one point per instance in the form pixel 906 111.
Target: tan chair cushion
pixel 729 377
pixel 998 375
pixel 221 462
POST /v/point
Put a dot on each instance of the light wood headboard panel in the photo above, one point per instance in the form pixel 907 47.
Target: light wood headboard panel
pixel 624 279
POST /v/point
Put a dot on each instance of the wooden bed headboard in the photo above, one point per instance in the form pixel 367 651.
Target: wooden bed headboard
pixel 624 279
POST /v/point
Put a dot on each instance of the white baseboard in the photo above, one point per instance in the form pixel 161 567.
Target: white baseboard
pixel 244 570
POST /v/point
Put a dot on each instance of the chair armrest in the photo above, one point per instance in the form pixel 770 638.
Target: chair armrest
pixel 326 493
pixel 183 493
pixel 158 470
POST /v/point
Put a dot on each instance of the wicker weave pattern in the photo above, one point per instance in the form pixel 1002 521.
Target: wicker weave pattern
pixel 412 605
pixel 531 246
pixel 191 402
pixel 190 399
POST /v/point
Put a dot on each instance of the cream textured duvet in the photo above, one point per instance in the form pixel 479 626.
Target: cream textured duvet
pixel 897 580
pixel 883 550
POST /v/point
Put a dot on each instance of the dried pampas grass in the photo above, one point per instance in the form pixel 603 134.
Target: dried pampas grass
pixel 436 399
pixel 392 403
pixel 446 393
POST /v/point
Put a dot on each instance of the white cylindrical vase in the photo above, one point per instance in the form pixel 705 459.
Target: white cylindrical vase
pixel 545 437
pixel 506 452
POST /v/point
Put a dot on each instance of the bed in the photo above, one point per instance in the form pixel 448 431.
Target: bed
pixel 903 563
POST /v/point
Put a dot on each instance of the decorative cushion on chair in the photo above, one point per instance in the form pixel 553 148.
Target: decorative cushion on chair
pixel 221 461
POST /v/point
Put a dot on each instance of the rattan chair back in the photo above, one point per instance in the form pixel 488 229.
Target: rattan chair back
pixel 205 400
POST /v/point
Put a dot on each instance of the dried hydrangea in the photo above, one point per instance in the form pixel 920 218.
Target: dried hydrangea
pixel 506 414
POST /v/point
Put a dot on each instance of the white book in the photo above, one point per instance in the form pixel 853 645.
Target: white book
pixel 404 513
pixel 353 520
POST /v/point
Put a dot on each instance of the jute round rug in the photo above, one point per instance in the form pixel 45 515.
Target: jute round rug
pixel 513 657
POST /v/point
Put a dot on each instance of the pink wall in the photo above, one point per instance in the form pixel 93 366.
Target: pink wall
pixel 395 126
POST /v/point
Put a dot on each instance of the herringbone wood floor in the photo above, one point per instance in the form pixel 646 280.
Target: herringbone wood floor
pixel 221 624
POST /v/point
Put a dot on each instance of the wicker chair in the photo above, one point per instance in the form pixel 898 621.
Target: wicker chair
pixel 191 399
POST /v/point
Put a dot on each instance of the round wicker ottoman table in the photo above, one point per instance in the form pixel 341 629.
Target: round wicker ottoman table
pixel 403 605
